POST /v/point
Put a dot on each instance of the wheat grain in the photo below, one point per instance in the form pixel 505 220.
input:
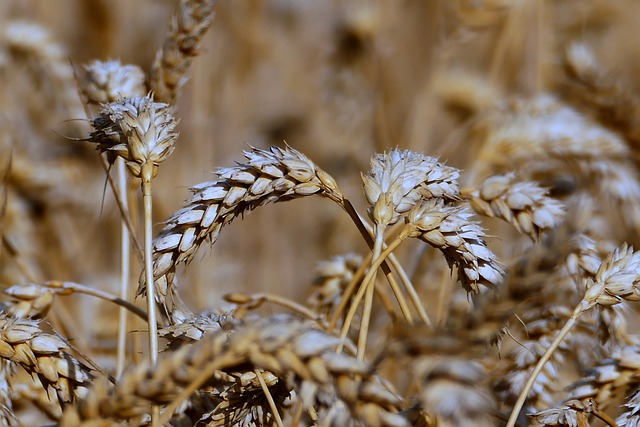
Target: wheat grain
pixel 523 204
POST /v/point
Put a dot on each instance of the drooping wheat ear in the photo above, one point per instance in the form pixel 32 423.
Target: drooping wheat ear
pixel 332 278
pixel 296 352
pixel 592 86
pixel 455 391
pixel 195 328
pixel 139 130
pixel 23 342
pixel 461 241
pixel 169 71
pixel 276 175
pixel 524 205
pixel 398 180
pixel 108 81
pixel 631 415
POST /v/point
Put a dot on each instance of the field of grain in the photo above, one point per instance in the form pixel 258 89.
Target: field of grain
pixel 319 213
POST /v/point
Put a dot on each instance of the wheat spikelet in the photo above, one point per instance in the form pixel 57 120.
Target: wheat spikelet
pixel 138 130
pixel 450 229
pixel 296 352
pixel 23 342
pixel 169 71
pixel 33 45
pixel 523 204
pixel 276 175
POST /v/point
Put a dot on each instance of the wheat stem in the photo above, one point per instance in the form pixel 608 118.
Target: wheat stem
pixel 368 298
pixel 81 289
pixel 125 254
pixel 148 266
pixel 367 279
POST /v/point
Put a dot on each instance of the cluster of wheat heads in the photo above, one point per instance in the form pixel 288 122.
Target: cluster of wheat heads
pixel 429 320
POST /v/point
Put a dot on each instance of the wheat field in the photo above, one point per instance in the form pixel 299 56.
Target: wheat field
pixel 319 213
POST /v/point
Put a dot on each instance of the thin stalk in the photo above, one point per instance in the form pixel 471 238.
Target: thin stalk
pixel 124 213
pixel 267 393
pixel 348 292
pixel 125 255
pixel 367 279
pixel 148 269
pixel 367 235
pixel 71 287
pixel 368 298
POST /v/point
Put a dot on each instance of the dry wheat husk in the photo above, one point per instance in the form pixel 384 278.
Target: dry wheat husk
pixel 108 81
pixel 295 351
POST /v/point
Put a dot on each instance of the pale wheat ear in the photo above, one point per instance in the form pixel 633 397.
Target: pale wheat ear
pixel 266 176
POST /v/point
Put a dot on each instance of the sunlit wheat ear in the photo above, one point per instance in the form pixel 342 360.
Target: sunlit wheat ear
pixel 523 204
pixel 108 81
pixel 398 180
pixel 616 281
pixel 450 229
pixel 139 130
pixel 297 353
pixel 43 355
pixel 267 176
pixel 169 71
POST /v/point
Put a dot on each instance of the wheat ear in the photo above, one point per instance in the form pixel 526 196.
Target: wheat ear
pixel 142 132
pixel 169 71
pixel 106 82
pixel 616 281
pixel 267 176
